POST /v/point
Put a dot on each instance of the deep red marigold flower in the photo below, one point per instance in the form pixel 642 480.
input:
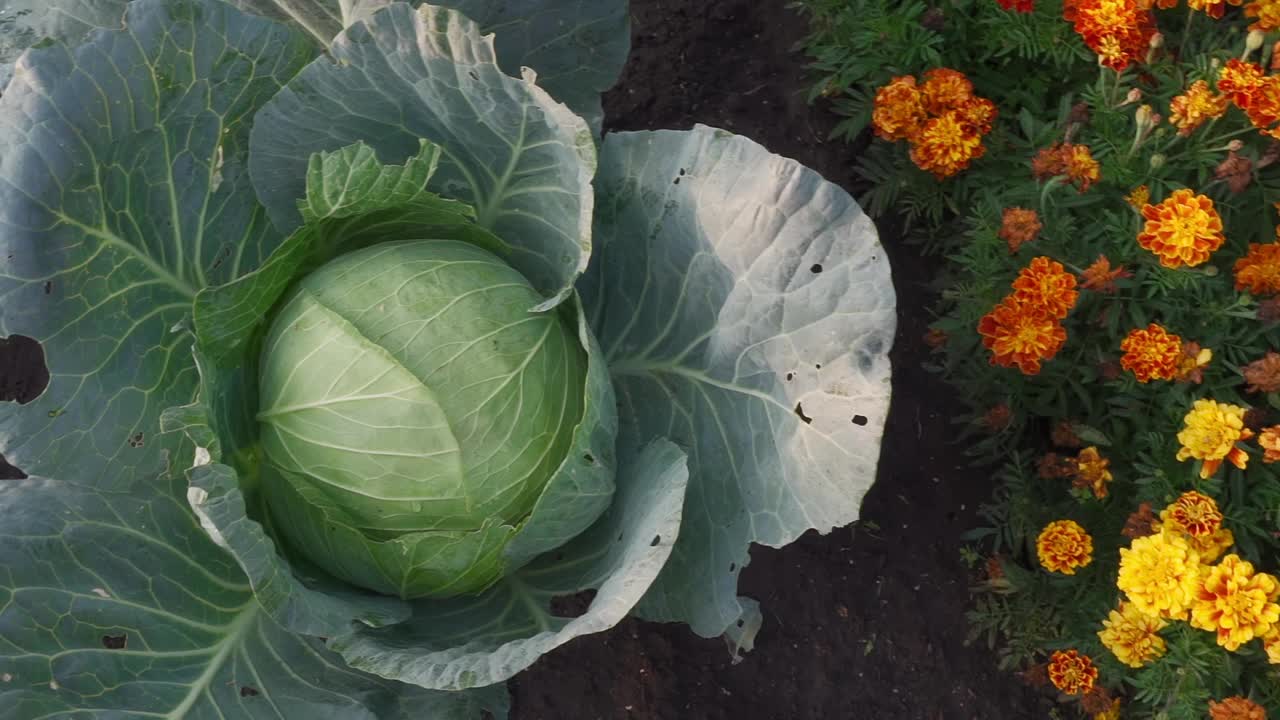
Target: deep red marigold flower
pixel 1045 283
pixel 1021 335
pixel 944 90
pixel 1071 672
pixel 1100 277
pixel 1151 354
pixel 1259 270
pixel 946 145
pixel 1183 230
pixel 1022 6
pixel 1118 31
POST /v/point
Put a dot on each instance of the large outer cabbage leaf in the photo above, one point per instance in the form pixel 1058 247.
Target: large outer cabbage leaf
pixel 123 191
pixel 119 605
pixel 746 310
pixel 522 160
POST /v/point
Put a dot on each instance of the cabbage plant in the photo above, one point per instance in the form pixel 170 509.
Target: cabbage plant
pixel 371 361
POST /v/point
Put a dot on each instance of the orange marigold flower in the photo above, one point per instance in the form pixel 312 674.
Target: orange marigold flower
pixel 1071 672
pixel 1063 546
pixel 1020 334
pixel 945 90
pixel 1212 8
pixel 1092 471
pixel 1197 105
pixel 1269 440
pixel 1151 354
pixel 1045 283
pixel 1239 80
pixel 1139 196
pixel 1119 31
pixel 1235 602
pixel 1194 514
pixel 1236 708
pixel 978 112
pixel 1081 168
pixel 1263 375
pixel 898 112
pixel 1184 229
pixel 1267 14
pixel 1236 171
pixel 1210 433
pixel 1048 163
pixel 945 145
pixel 1100 277
pixel 1019 225
pixel 1132 635
pixel 1259 270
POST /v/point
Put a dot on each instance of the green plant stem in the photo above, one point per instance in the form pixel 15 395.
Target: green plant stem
pixel 1186 33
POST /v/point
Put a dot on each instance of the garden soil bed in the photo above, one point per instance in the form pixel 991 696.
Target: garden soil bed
pixel 866 623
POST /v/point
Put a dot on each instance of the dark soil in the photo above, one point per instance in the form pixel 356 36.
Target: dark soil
pixel 867 622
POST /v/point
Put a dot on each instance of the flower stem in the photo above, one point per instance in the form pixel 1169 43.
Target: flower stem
pixel 1186 33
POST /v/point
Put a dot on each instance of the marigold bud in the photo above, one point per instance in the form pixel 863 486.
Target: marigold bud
pixel 1157 161
pixel 1235 145
pixel 1157 41
pixel 1134 96
pixel 1253 40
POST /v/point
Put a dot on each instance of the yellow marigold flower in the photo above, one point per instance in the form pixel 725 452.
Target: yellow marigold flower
pixel 1151 354
pixel 1020 334
pixel 945 145
pixel 1236 708
pixel 944 90
pixel 1071 672
pixel 1064 546
pixel 898 112
pixel 1271 646
pixel 1111 713
pixel 1131 635
pixel 1210 432
pixel 1235 602
pixel 1263 375
pixel 1019 225
pixel 1259 270
pixel 1099 277
pixel 1212 8
pixel 1183 230
pixel 1160 575
pixel 1081 168
pixel 1211 547
pixel 1196 106
pixel 1092 471
pixel 1194 514
pixel 1270 442
pixel 1140 196
pixel 1046 284
pixel 1267 14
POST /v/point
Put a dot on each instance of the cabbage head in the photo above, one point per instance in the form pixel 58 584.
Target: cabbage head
pixel 377 370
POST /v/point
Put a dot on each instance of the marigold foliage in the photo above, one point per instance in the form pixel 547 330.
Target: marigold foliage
pixel 1183 230
pixel 1132 635
pixel 1064 546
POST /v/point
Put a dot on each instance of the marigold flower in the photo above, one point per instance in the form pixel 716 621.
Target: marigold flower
pixel 1267 14
pixel 1063 546
pixel 1259 270
pixel 1151 354
pixel 944 90
pixel 1236 171
pixel 1140 523
pixel 1111 713
pixel 1271 646
pixel 1046 284
pixel 1071 672
pixel 1210 432
pixel 1081 168
pixel 1019 225
pixel 1160 575
pixel 1192 363
pixel 1235 602
pixel 1092 471
pixel 898 112
pixel 1048 163
pixel 1196 106
pixel 1020 334
pixel 1099 277
pixel 1022 6
pixel 1212 8
pixel 1132 635
pixel 945 145
pixel 1138 197
pixel 1184 229
pixel 1263 375
pixel 1119 31
pixel 1269 440
pixel 980 113
pixel 1239 80
pixel 1053 466
pixel 1193 513
pixel 1236 708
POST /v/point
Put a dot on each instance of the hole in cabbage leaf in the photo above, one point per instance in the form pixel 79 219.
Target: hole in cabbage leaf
pixel 9 472
pixel 818 366
pixel 589 458
pixel 137 440
pixel 572 606
pixel 790 376
pixel 815 268
pixel 246 691
pixel 115 642
pixel 859 420
pixel 682 171
pixel 733 566
pixel 656 539
pixel 676 181
pixel 741 622
pixel 23 373
pixel 48 287
pixel 800 414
